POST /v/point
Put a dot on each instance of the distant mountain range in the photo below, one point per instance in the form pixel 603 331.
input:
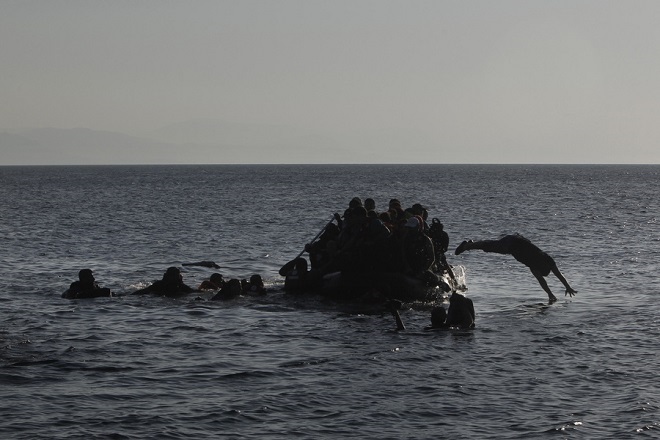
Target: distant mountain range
pixel 199 141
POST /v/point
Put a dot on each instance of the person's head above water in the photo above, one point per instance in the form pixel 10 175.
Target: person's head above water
pixel 216 278
pixel 438 317
pixel 85 275
pixel 256 280
pixel 172 274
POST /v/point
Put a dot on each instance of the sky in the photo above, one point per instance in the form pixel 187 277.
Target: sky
pixel 339 81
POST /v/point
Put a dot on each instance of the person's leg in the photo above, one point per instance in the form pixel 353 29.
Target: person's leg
pixel 501 246
pixel 551 297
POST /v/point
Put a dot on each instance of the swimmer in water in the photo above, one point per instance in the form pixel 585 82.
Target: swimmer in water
pixel 85 287
pixel 170 285
pixel 215 282
pixel 460 314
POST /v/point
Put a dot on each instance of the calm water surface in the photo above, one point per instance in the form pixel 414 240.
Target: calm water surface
pixel 275 367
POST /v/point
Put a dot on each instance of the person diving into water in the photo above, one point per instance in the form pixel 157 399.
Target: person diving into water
pixel 540 263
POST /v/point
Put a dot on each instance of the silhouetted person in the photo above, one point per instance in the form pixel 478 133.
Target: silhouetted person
pixel 438 317
pixel 255 286
pixel 85 287
pixel 440 240
pixel 296 275
pixel 232 289
pixel 215 282
pixel 540 263
pixel 171 285
pixel 461 312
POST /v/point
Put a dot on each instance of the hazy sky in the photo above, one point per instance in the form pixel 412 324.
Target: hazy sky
pixel 427 81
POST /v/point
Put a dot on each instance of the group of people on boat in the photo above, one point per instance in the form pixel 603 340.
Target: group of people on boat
pixel 170 285
pixel 364 240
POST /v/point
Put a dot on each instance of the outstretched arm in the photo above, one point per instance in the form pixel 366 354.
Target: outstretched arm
pixel 399 322
pixel 394 307
pixel 569 290
pixel 544 284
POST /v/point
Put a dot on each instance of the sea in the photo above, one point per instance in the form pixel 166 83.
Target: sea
pixel 301 366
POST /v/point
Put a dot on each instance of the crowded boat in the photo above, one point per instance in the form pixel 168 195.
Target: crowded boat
pixel 370 256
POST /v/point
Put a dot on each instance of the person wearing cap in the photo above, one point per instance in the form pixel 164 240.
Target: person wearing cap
pixel 170 285
pixel 540 263
pixel 86 287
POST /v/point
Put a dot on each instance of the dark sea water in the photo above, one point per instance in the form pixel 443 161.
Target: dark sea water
pixel 300 367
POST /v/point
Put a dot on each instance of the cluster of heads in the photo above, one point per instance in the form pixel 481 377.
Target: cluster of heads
pixel 173 277
pixel 414 217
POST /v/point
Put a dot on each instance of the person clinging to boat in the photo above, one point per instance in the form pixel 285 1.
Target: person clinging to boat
pixel 459 315
pixel 523 250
